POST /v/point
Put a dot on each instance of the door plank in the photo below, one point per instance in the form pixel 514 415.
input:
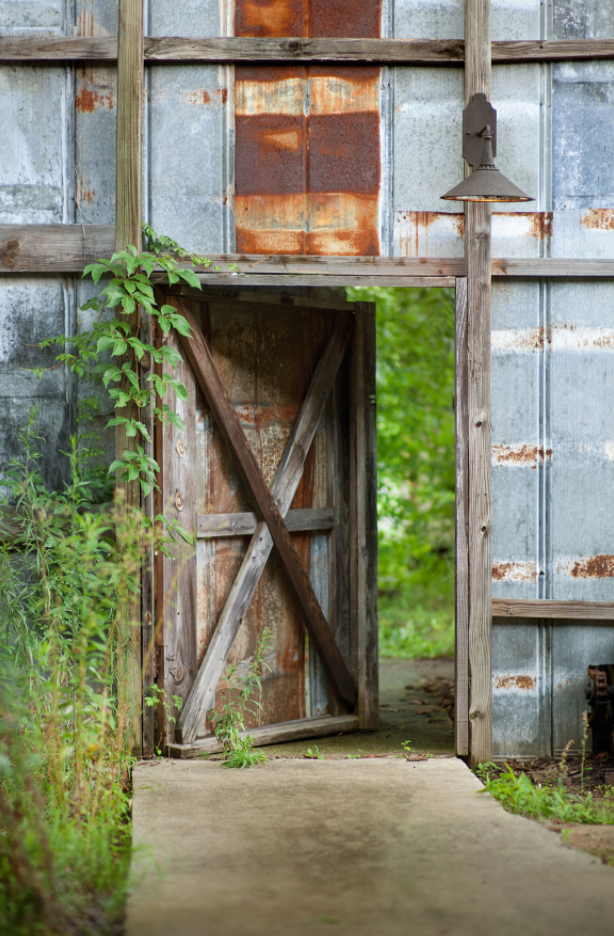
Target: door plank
pixel 211 526
pixel 282 493
pixel 301 728
pixel 461 566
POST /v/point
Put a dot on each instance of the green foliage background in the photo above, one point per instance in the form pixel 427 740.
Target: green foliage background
pixel 415 440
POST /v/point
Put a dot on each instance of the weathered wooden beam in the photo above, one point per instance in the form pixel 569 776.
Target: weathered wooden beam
pixel 477 251
pixel 363 490
pixel 284 487
pixel 129 155
pixel 461 552
pixel 215 526
pixel 176 49
pixel 297 730
pixel 67 248
pixel 579 611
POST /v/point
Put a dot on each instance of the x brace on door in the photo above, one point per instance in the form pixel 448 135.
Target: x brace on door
pixel 271 507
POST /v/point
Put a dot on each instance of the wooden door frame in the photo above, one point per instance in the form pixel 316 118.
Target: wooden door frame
pixel 362 519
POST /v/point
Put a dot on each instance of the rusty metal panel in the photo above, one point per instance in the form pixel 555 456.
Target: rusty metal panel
pixel 308 145
pixel 266 358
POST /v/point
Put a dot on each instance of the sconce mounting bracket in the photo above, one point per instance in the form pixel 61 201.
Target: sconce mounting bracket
pixel 478 113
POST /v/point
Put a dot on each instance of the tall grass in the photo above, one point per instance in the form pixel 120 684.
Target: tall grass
pixel 67 567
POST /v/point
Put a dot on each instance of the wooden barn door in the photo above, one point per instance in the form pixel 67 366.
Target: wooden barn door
pixel 275 474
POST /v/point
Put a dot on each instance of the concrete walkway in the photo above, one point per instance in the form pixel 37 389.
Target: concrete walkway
pixel 381 846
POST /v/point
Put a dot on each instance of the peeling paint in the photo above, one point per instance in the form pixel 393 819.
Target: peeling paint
pixel 536 224
pixel 593 567
pixel 515 682
pixel 598 219
pixel 520 455
pixel 514 571
pixel 558 338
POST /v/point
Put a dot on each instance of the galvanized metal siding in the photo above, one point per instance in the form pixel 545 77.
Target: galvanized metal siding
pixel 36 187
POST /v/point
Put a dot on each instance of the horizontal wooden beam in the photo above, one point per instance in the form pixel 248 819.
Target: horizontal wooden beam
pixel 298 730
pixel 213 526
pixel 243 49
pixel 53 248
pixel 67 248
pixel 239 295
pixel 579 611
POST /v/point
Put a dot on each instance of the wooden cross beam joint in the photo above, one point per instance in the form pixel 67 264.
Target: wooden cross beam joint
pixel 271 505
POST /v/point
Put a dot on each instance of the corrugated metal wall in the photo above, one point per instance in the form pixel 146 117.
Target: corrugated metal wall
pixel 352 160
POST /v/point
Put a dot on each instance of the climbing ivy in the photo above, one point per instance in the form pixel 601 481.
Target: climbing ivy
pixel 112 349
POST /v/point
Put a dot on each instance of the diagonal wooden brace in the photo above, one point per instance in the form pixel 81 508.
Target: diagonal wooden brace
pixel 271 505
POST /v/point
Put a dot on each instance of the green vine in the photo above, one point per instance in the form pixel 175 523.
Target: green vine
pixel 112 349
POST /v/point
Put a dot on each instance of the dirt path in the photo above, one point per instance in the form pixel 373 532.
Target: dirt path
pixel 381 846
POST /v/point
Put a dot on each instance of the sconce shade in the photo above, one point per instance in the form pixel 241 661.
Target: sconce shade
pixel 487 184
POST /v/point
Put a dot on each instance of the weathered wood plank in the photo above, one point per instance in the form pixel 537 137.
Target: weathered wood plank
pixel 461 552
pixel 477 247
pixel 148 610
pixel 53 248
pixel 579 611
pixel 176 49
pixel 234 297
pixel 282 490
pixel 67 248
pixel 213 526
pixel 301 728
pixel 179 574
pixel 129 138
pixel 364 412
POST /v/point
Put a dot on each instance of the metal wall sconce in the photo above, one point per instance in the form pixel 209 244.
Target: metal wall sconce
pixel 486 184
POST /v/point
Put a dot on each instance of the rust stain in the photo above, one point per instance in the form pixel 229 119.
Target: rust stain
pixel 521 455
pixel 415 226
pixel 196 98
pixel 598 219
pixel 269 18
pixel 310 131
pixel 539 223
pixel 594 567
pixel 520 340
pixel 88 101
pixel 515 682
pixel 338 19
pixel 514 571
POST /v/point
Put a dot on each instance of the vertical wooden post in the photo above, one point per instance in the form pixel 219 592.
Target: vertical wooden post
pixel 477 247
pixel 128 219
pixel 461 629
pixel 365 513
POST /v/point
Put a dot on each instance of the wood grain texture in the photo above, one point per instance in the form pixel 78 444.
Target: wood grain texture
pixel 67 248
pixel 148 610
pixel 129 156
pixel 461 584
pixel 477 251
pixel 301 728
pixel 364 412
pixel 588 611
pixel 282 492
pixel 179 574
pixel 53 248
pixel 176 49
pixel 212 526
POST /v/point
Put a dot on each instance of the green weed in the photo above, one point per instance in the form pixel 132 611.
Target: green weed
pixel 241 697
pixel 314 753
pixel 545 801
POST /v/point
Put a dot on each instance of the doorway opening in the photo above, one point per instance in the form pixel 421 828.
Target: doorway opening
pixel 415 329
